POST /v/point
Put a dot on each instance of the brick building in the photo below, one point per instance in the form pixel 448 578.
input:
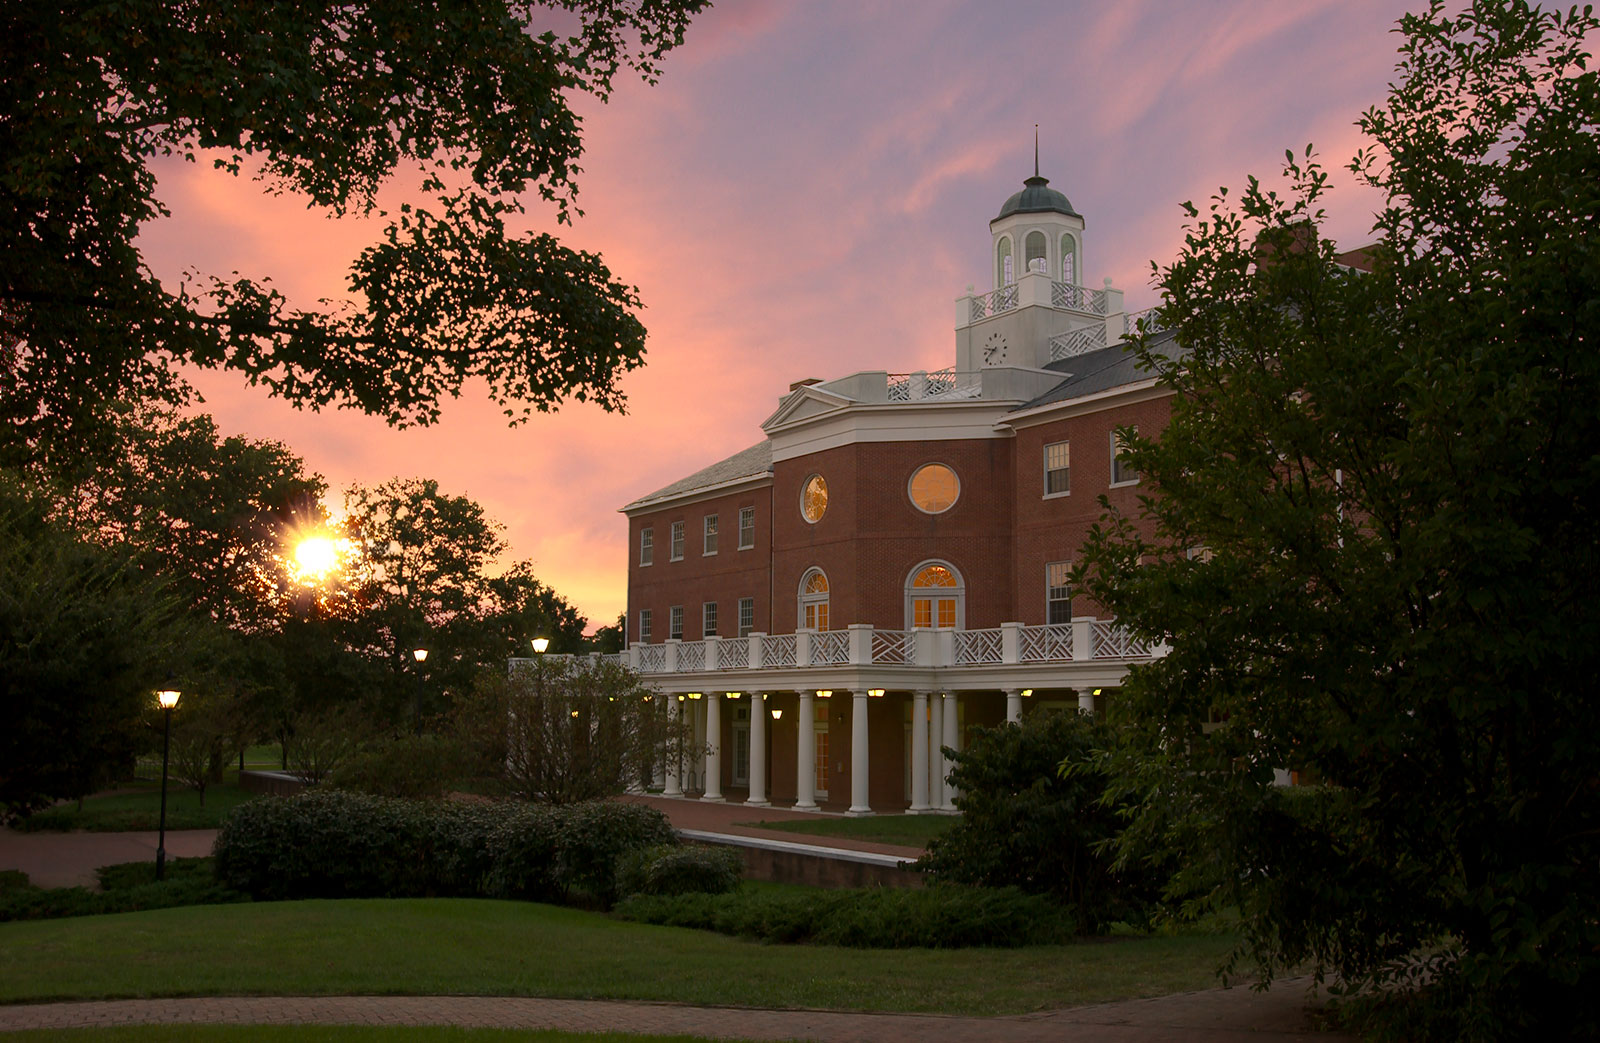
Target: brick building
pixel 886 567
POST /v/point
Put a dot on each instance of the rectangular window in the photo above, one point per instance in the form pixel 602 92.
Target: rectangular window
pixel 647 546
pixel 709 541
pixel 677 541
pixel 675 623
pixel 1057 469
pixel 708 619
pixel 747 528
pixel 1121 472
pixel 747 616
pixel 1057 592
pixel 644 625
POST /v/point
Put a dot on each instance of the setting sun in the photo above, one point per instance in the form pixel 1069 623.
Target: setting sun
pixel 315 557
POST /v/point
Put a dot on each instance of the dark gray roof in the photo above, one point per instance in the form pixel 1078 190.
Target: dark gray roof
pixel 747 463
pixel 1096 371
pixel 1036 198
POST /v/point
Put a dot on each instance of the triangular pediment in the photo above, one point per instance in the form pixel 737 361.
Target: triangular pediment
pixel 805 403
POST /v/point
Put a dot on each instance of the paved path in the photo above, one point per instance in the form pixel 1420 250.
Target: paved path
pixel 70 859
pixel 1215 1016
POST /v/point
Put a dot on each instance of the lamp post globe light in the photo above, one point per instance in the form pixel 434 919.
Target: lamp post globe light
pixel 168 699
pixel 539 646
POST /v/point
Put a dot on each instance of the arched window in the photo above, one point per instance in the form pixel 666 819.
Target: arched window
pixel 935 597
pixel 813 614
pixel 1069 259
pixel 1033 248
pixel 1003 272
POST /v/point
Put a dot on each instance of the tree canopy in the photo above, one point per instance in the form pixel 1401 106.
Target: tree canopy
pixel 1373 543
pixel 328 101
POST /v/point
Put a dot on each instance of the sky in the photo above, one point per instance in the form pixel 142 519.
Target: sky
pixel 805 194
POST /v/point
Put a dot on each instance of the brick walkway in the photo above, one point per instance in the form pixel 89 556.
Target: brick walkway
pixel 1216 1016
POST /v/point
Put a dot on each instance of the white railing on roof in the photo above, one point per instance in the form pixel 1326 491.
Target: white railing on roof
pixel 1113 642
pixel 1078 298
pixel 994 302
pixel 1078 342
pixel 1149 319
pixel 778 650
pixel 914 387
pixel 614 659
pixel 830 648
pixel 893 646
pixel 1046 644
pixel 1082 640
pixel 733 653
pixel 976 647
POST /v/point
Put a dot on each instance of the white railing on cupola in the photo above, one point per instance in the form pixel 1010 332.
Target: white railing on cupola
pixel 1082 640
pixel 1078 342
pixel 924 386
pixel 1152 324
pixel 1078 298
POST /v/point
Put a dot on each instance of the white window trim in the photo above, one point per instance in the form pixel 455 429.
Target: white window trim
pixel 706 533
pixel 741 627
pixel 708 615
pixel 646 626
pixel 675 622
pixel 752 544
pixel 1127 481
pixel 647 542
pixel 1048 599
pixel 912 481
pixel 1044 476
pixel 959 592
pixel 802 599
pixel 676 538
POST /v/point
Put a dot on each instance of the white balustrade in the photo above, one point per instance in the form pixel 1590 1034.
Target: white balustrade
pixel 978 647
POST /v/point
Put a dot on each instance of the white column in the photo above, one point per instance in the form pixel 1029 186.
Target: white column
pixel 697 748
pixel 952 739
pixel 806 755
pixel 935 761
pixel 713 788
pixel 1086 700
pixel 758 749
pixel 1013 706
pixel 674 787
pixel 859 776
pixel 919 752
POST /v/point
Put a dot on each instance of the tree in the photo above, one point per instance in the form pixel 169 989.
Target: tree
pixel 568 729
pixel 1373 544
pixel 84 639
pixel 330 101
pixel 520 608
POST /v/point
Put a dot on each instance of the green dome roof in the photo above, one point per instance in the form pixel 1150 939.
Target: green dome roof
pixel 1036 197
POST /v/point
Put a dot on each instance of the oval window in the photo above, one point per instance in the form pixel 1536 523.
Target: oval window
pixel 814 498
pixel 934 488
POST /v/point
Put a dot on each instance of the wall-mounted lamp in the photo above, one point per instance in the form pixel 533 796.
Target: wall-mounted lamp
pixel 824 693
pixel 777 715
pixel 732 695
pixel 1097 691
pixel 1027 692
pixel 876 693
pixel 694 695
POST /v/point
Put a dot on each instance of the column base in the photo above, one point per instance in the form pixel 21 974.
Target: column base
pixel 920 811
pixel 807 807
pixel 758 803
pixel 859 812
pixel 714 800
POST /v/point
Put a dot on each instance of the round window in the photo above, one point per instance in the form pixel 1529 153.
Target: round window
pixel 935 488
pixel 814 498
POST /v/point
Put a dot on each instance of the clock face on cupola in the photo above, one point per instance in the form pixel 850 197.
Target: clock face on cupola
pixel 994 349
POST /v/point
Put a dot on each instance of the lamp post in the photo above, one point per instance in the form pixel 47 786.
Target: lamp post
pixel 539 646
pixel 168 699
pixel 421 656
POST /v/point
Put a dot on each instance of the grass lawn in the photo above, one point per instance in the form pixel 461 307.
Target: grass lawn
pixel 483 947
pixel 909 830
pixel 326 1034
pixel 141 809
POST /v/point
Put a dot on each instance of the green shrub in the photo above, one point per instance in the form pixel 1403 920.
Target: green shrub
pixel 411 766
pixel 339 844
pixel 1034 817
pixel 677 869
pixel 941 917
pixel 129 887
pixel 13 880
pixel 594 837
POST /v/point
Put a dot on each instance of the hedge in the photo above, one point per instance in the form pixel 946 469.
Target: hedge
pixel 336 844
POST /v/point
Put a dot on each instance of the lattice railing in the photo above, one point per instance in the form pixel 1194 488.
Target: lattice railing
pixel 1110 641
pixel 1078 342
pixel 691 657
pixel 1149 317
pixel 778 650
pixel 652 659
pixel 1046 644
pixel 994 302
pixel 892 646
pixel 977 647
pixel 733 654
pixel 614 658
pixel 1078 298
pixel 830 648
